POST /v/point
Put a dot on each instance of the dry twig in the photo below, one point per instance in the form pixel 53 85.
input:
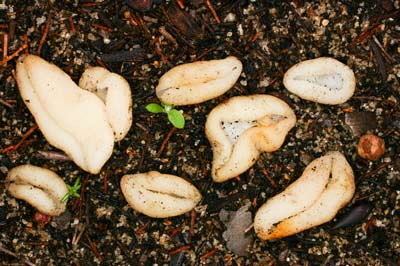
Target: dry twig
pixel 9 252
pixel 44 36
pixel 165 141
pixel 211 7
pixel 24 137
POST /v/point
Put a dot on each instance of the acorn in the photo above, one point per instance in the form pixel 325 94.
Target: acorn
pixel 371 147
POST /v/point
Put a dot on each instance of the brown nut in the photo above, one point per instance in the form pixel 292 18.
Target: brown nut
pixel 371 147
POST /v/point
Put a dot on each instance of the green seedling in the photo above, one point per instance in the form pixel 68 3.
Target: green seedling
pixel 72 191
pixel 174 116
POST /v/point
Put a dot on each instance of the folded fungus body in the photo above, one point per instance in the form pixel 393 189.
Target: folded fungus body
pixel 242 127
pixel 115 92
pixel 159 195
pixel 40 187
pixel 72 119
pixel 199 81
pixel 326 185
pixel 323 80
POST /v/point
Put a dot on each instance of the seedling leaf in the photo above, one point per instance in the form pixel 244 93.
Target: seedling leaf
pixel 154 108
pixel 176 118
pixel 72 190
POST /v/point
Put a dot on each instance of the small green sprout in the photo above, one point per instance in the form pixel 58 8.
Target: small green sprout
pixel 174 116
pixel 72 190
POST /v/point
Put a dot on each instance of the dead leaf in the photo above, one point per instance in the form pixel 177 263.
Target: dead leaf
pixel 236 223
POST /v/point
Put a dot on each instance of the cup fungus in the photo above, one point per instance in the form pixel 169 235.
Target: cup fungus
pixel 326 185
pixel 115 92
pixel 323 80
pixel 159 195
pixel 242 127
pixel 40 187
pixel 198 82
pixel 70 118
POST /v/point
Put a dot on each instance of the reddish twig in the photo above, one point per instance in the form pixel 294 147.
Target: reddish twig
pixel 5 45
pixel 8 58
pixel 172 233
pixel 142 229
pixel 208 254
pixel 102 27
pixel 5 103
pixel 44 36
pixel 94 248
pixel 72 24
pixel 26 43
pixel 24 137
pixel 180 4
pixel 210 6
pixel 132 20
pixel 266 174
pixel 178 250
pixel 255 37
pixel 105 184
pixel 101 63
pixel 192 223
pixel 94 4
pixel 165 141
pixel 366 34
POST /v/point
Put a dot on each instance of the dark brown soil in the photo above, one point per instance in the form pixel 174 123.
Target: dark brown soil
pixel 143 43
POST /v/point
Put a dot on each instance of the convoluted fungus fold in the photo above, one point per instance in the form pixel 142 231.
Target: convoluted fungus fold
pixel 242 127
pixel 326 185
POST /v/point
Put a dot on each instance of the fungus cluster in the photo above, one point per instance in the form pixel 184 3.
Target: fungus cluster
pixel 85 120
pixel 81 123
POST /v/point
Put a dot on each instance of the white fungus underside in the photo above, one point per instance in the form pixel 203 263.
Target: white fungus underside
pixel 332 81
pixel 234 129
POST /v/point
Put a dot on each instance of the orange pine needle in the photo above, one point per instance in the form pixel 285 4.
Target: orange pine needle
pixel 44 36
pixel 102 27
pixel 210 6
pixel 24 137
pixel 178 250
pixel 180 4
pixel 208 254
pixel 5 45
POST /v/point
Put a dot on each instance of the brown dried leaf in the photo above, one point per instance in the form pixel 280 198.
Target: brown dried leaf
pixel 184 25
pixel 360 122
pixel 236 223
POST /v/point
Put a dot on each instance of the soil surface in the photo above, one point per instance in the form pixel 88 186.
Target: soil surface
pixel 141 40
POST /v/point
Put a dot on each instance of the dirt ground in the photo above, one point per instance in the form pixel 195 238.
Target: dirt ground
pixel 141 40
